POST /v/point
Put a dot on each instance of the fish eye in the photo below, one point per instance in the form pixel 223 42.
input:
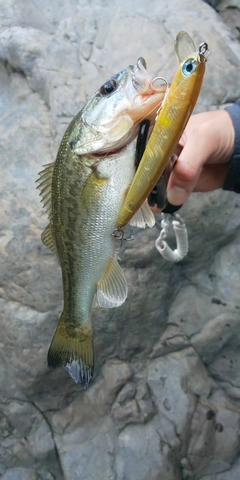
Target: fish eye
pixel 108 87
pixel 189 67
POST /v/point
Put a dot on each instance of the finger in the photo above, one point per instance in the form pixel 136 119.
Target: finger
pixel 187 170
pixel 182 182
pixel 155 209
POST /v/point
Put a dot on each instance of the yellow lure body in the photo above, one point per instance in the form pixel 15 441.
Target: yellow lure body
pixel 176 109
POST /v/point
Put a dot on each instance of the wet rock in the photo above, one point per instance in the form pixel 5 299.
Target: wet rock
pixel 133 405
pixel 20 474
pixel 164 402
pixel 132 462
pixel 173 339
pixel 115 374
pixel 126 413
pixel 126 393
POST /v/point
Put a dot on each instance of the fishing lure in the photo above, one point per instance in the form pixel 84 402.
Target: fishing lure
pixel 158 195
pixel 170 123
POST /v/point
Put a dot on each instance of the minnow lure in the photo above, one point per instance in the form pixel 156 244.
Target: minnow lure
pixel 158 195
pixel 176 109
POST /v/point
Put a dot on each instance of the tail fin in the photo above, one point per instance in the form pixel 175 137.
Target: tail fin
pixel 72 349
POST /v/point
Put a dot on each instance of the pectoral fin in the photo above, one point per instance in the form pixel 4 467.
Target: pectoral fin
pixel 112 288
pixel 144 216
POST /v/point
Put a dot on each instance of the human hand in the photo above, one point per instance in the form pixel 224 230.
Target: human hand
pixel 204 150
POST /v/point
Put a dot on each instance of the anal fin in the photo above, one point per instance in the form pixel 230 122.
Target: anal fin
pixel 112 288
pixel 143 217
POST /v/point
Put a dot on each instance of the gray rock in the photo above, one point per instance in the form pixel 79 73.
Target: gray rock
pixel 229 11
pixel 214 3
pixel 128 409
pixel 20 474
pixel 164 402
pixel 137 463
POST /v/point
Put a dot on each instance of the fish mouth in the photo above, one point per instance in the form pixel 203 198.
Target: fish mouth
pixel 147 105
pixel 143 104
pixel 120 145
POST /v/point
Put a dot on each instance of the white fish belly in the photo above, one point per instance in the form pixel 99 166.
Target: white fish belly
pixel 98 214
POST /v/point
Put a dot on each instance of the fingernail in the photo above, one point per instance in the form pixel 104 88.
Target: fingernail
pixel 177 195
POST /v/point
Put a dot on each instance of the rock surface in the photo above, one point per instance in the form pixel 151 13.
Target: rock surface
pixel 165 402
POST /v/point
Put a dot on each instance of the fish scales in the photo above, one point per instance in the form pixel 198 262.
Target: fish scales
pixel 84 218
pixel 83 225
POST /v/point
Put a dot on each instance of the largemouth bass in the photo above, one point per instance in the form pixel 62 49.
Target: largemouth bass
pixel 83 192
pixel 177 107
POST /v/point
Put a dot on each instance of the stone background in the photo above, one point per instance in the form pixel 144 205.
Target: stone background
pixel 165 402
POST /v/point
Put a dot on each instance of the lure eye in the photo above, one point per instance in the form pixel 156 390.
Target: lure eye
pixel 108 87
pixel 189 67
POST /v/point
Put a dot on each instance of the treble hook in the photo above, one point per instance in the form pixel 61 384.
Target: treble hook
pixel 118 234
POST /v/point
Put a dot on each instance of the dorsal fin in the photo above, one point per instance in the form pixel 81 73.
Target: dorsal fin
pixel 47 238
pixel 45 185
